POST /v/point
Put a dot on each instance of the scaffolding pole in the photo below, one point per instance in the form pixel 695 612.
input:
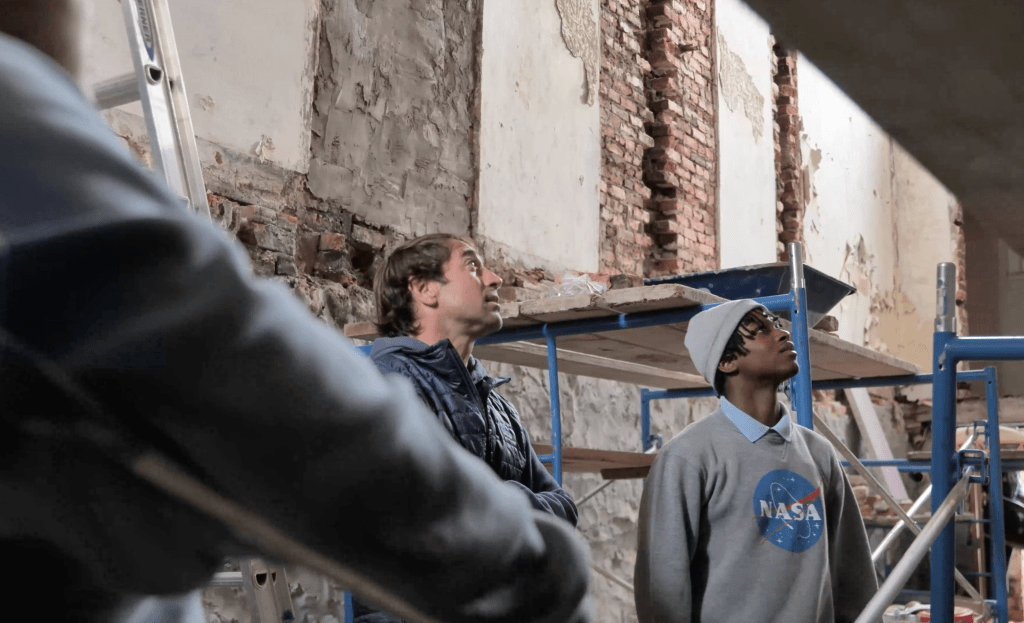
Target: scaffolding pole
pixel 899 576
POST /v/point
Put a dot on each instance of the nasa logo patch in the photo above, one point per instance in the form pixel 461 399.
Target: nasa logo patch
pixel 788 510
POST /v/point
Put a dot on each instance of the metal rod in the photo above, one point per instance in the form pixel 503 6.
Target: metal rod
pixel 606 483
pixel 692 392
pixel 556 408
pixel 590 495
pixel 636 320
pixel 943 442
pixel 614 578
pixel 998 531
pixel 976 506
pixel 227 578
pixel 880 489
pixel 918 503
pixel 917 550
pixel 881 381
pixel 897 530
pixel 115 92
pixel 801 383
pixel 645 419
pixel 892 381
pixel 984 349
pixel 269 539
pixel 945 290
pixel 889 463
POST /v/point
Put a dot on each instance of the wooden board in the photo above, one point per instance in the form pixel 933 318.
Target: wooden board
pixel 572 362
pixel 650 356
pixel 585 460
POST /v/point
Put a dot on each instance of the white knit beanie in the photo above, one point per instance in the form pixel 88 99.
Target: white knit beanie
pixel 709 332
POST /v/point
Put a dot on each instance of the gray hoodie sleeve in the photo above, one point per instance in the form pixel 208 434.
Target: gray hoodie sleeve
pixel 667 534
pixel 854 582
pixel 156 315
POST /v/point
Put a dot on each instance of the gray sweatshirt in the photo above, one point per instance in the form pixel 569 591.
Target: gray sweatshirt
pixel 733 530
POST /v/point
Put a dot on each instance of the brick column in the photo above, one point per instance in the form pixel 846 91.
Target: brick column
pixel 790 201
pixel 681 168
pixel 625 240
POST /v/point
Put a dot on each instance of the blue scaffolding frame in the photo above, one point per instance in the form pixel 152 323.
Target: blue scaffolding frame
pixel 944 422
pixel 795 302
pixel 946 462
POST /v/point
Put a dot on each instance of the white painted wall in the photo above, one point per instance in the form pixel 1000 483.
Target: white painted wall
pixel 746 196
pixel 247 66
pixel 540 142
pixel 876 219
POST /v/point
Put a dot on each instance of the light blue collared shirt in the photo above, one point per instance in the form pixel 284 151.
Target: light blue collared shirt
pixel 751 428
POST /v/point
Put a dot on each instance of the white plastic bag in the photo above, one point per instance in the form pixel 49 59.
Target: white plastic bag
pixel 576 284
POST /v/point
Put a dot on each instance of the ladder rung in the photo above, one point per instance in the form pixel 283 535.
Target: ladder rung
pixel 227 578
pixel 116 91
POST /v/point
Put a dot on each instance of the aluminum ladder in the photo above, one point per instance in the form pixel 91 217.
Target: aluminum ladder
pixel 158 84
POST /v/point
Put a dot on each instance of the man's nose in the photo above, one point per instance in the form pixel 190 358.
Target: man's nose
pixel 491 279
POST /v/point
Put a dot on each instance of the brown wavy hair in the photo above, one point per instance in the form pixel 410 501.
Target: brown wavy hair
pixel 422 258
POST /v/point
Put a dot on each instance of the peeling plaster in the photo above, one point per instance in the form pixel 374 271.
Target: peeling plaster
pixel 738 88
pixel 747 200
pixel 393 117
pixel 875 218
pixel 538 140
pixel 579 31
pixel 248 67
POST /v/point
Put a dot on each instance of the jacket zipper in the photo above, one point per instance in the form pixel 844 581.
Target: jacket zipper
pixel 488 453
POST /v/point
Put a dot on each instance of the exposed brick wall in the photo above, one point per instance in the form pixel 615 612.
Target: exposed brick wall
pixel 325 256
pixel 790 202
pixel 682 168
pixel 625 219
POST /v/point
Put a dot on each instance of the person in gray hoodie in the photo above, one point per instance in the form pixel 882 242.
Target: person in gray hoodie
pixel 129 326
pixel 747 516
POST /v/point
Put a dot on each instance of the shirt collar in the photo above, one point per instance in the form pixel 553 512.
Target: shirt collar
pixel 751 428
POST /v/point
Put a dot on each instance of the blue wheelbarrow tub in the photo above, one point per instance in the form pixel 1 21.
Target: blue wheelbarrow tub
pixel 747 282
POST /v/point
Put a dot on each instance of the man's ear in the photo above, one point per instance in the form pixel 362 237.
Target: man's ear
pixel 424 291
pixel 727 366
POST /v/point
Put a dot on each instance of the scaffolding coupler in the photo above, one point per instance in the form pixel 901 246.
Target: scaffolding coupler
pixel 974 461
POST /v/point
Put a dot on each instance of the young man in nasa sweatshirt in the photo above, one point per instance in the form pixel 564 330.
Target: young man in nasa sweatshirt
pixel 747 516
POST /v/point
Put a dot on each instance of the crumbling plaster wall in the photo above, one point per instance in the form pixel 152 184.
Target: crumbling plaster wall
pixel 247 65
pixel 875 219
pixel 392 149
pixel 540 134
pixel 393 115
pixel 746 192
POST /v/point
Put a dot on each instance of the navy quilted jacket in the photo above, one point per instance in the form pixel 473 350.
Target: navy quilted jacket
pixel 458 396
